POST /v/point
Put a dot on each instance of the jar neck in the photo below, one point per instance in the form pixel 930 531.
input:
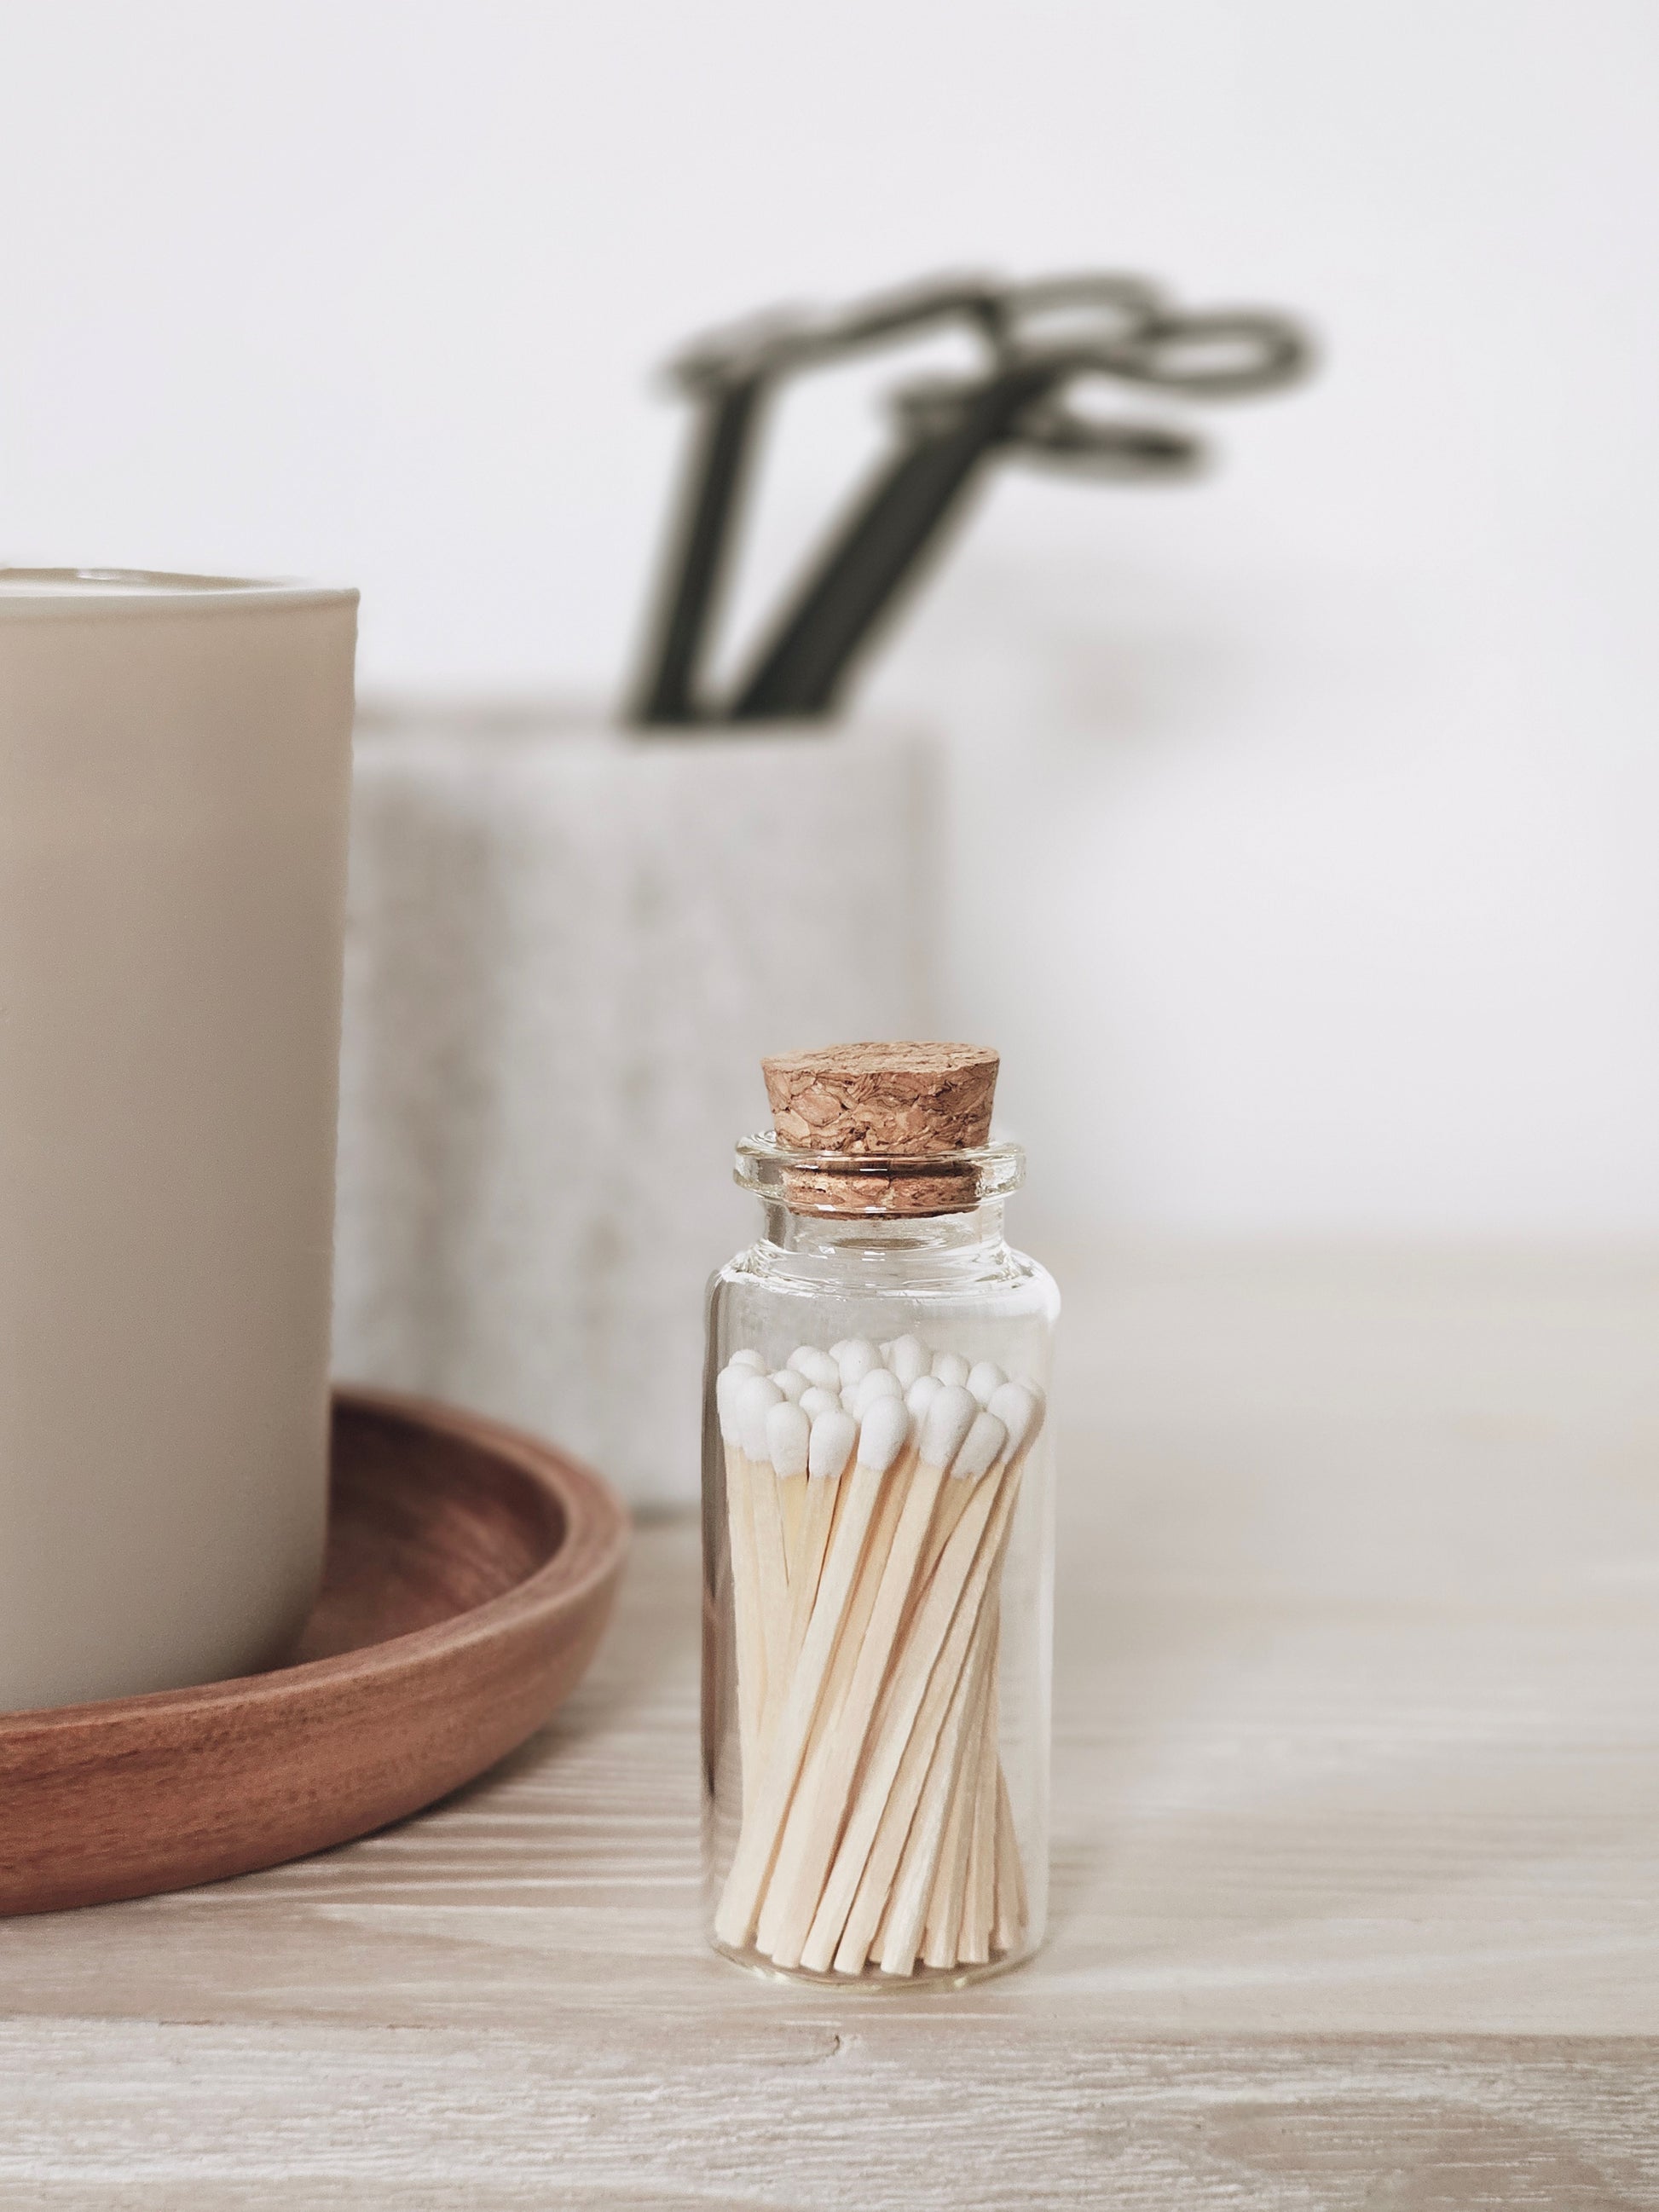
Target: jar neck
pixel 905 1241
pixel 902 1253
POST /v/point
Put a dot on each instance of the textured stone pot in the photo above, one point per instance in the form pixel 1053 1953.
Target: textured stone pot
pixel 567 948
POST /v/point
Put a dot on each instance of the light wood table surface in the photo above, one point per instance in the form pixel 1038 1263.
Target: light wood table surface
pixel 1356 1851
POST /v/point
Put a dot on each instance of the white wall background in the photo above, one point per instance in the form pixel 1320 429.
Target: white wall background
pixel 1307 819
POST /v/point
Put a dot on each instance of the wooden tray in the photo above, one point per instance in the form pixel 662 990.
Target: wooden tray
pixel 470 1572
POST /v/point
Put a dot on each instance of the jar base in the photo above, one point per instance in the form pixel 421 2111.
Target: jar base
pixel 873 1982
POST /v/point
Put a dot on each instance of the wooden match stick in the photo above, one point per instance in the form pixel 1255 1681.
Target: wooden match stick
pixel 1010 1906
pixel 947 1894
pixel 756 1403
pixel 810 1843
pixel 749 1630
pixel 830 1445
pixel 787 1428
pixel 983 1446
pixel 996 1895
pixel 881 1438
pixel 979 1900
pixel 1018 1407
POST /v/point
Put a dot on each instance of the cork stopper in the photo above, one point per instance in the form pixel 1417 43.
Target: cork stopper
pixel 900 1102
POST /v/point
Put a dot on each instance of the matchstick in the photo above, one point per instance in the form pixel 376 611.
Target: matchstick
pixel 1011 1907
pixel 830 1448
pixel 749 1629
pixel 787 1428
pixel 809 1845
pixel 756 1402
pixel 996 1894
pixel 947 1895
pixel 979 1898
pixel 881 1438
pixel 1018 1407
pixel 956 1493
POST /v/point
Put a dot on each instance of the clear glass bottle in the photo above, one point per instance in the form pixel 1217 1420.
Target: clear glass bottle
pixel 878 1565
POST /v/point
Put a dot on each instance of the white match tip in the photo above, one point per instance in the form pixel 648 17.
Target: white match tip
pixel 980 1448
pixel 791 1382
pixel 836 1349
pixel 877 1383
pixel 750 1359
pixel 755 1401
pixel 856 1358
pixel 951 1367
pixel 1020 1408
pixel 921 1394
pixel 909 1359
pixel 834 1434
pixel 985 1380
pixel 729 1386
pixel 945 1424
pixel 849 1399
pixel 817 1366
pixel 816 1401
pixel 882 1434
pixel 787 1430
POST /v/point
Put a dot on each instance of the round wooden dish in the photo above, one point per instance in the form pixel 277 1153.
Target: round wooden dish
pixel 470 1572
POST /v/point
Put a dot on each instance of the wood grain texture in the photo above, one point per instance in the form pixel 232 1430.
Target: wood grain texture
pixel 1356 1890
pixel 469 1574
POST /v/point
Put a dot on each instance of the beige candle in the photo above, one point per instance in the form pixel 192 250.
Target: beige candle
pixel 174 758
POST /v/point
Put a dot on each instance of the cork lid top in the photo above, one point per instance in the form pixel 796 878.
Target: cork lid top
pixel 899 1100
pixel 871 1129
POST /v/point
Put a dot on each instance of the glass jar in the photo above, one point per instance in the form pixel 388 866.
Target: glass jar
pixel 878 1573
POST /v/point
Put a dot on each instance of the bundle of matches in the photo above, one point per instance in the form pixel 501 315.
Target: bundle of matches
pixel 869 1491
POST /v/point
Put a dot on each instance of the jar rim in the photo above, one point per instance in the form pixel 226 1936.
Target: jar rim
pixel 854 1184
